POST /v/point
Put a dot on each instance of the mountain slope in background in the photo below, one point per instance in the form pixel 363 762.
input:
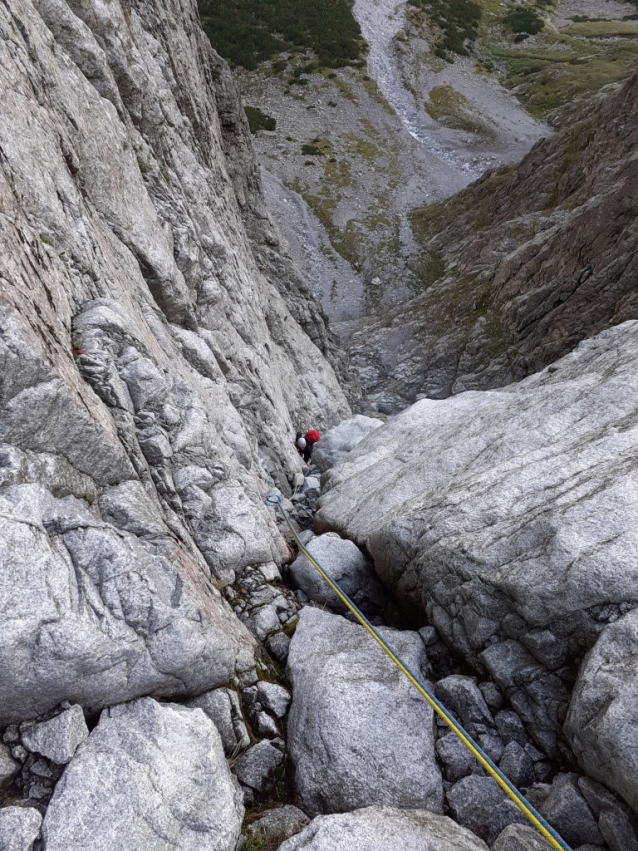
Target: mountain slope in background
pixel 531 259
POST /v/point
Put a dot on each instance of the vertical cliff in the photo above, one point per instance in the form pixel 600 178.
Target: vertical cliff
pixel 157 351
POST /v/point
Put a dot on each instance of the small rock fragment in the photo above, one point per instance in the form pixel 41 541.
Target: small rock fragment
pixel 458 761
pixel 520 837
pixel 280 823
pixel 273 697
pixel 58 738
pixel 510 727
pixel 517 766
pixel 256 767
pixel 8 767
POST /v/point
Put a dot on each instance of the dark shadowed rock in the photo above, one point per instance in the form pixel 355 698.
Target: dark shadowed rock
pixel 280 823
pixel 517 766
pixel 567 811
pixel 480 805
pixel 257 766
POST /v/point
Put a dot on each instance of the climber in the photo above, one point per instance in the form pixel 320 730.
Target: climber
pixel 304 443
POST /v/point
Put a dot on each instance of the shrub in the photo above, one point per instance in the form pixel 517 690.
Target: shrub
pixel 258 120
pixel 247 32
pixel 311 151
pixel 524 20
pixel 458 21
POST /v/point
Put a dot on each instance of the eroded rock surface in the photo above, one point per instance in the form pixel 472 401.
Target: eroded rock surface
pixel 157 351
pixel 358 732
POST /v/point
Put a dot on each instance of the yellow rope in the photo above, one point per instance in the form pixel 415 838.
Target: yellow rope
pixel 556 843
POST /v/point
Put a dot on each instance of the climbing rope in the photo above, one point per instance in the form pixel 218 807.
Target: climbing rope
pixel 510 790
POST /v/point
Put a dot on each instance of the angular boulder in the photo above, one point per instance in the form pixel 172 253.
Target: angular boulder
pixel 344 562
pixel 58 739
pixel 381 828
pixel 358 732
pixel 479 804
pixel 150 776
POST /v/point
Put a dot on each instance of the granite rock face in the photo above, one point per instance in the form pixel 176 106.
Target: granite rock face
pixel 150 776
pixel 517 268
pixel 603 716
pixel 382 828
pixel 158 351
pixel 97 615
pixel 508 518
pixel 358 732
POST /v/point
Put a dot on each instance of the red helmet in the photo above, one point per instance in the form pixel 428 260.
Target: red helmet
pixel 312 436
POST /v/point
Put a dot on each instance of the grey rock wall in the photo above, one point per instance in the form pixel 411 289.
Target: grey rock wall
pixel 157 352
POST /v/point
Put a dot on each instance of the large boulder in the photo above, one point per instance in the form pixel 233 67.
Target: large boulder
pixel 96 615
pixel 384 829
pixel 602 723
pixel 150 776
pixel 358 732
pixel 339 441
pixel 344 562
pixel 509 518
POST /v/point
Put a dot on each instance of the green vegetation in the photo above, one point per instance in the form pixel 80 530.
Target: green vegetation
pixel 452 109
pixel 458 21
pixel 258 120
pixel 606 29
pixel 428 271
pixel 524 20
pixel 247 32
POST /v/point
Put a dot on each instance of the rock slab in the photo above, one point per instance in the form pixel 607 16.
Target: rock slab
pixel 358 732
